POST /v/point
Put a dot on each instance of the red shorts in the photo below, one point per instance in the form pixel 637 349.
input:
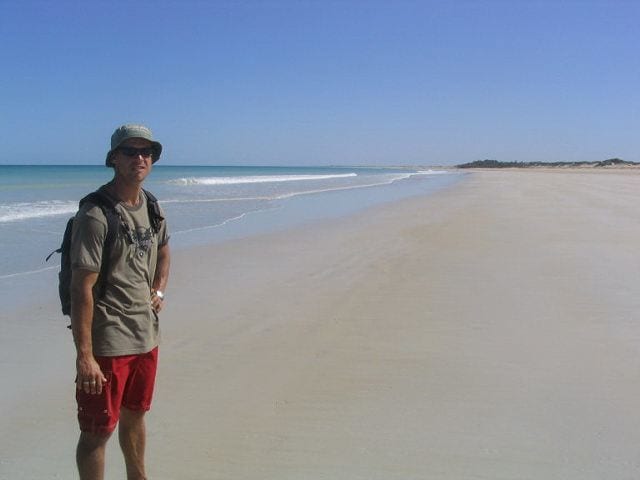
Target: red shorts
pixel 130 381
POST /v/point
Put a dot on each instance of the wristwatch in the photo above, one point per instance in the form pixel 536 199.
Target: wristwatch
pixel 159 294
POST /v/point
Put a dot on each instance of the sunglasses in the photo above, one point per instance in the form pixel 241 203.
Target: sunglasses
pixel 133 152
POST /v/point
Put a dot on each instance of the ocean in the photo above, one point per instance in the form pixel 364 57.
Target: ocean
pixel 204 204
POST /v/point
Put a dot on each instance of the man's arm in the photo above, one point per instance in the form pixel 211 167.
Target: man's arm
pixel 89 376
pixel 161 277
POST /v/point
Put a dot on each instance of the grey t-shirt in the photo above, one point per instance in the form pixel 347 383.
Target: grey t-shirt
pixel 123 321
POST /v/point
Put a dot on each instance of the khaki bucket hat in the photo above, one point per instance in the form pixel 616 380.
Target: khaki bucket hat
pixel 128 131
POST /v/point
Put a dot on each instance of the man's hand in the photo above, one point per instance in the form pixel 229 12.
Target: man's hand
pixel 157 301
pixel 161 277
pixel 90 378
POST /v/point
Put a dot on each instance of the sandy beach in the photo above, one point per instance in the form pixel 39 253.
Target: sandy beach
pixel 488 331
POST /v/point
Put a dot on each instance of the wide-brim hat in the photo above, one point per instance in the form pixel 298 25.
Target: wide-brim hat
pixel 128 131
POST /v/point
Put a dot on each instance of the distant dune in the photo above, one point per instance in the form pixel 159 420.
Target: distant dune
pixel 612 162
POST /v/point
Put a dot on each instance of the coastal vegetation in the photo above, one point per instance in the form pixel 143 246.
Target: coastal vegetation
pixel 612 162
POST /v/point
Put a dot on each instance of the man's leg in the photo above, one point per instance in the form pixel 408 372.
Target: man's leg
pixel 90 455
pixel 132 435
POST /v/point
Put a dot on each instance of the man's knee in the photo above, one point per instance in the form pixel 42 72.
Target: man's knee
pixel 92 441
pixel 131 418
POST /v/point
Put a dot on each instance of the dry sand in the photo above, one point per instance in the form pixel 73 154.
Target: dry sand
pixel 489 331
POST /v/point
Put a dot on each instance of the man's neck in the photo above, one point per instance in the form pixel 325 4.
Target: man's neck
pixel 127 193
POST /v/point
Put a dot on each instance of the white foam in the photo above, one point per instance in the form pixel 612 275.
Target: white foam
pixel 350 187
pixel 30 272
pixel 224 222
pixel 431 172
pixel 207 227
pixel 255 179
pixel 23 211
pixel 283 196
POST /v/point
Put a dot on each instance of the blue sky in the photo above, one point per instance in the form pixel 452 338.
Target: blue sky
pixel 322 83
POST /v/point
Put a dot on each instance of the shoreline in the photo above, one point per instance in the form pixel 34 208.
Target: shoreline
pixel 25 273
pixel 487 330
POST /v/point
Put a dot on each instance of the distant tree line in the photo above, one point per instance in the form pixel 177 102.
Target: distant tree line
pixel 499 164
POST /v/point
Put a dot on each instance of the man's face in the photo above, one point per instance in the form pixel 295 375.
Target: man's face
pixel 130 163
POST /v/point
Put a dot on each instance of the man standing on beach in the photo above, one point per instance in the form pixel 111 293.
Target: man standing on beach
pixel 114 314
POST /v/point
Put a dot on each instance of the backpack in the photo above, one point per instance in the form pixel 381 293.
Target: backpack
pixel 107 204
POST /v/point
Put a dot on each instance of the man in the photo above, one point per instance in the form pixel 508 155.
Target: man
pixel 116 332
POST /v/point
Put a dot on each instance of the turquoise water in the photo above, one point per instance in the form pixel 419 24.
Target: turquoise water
pixel 203 204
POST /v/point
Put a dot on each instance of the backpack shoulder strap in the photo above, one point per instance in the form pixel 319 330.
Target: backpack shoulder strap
pixel 101 199
pixel 155 214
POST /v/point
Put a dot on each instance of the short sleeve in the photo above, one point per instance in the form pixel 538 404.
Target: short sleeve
pixel 87 240
pixel 163 234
